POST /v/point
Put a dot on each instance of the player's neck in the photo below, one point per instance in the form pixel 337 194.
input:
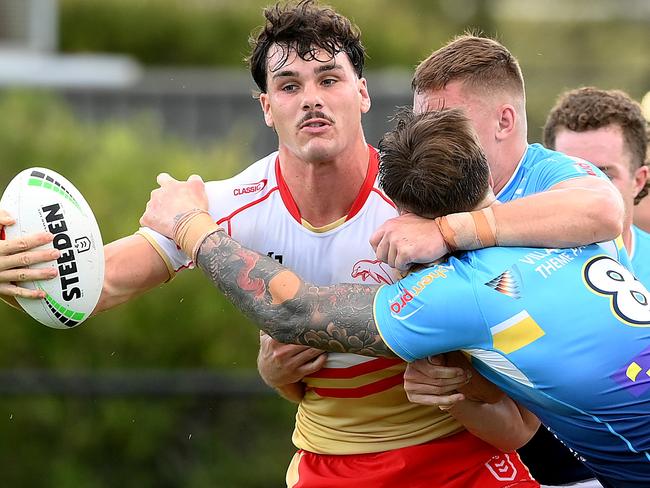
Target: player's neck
pixel 627 236
pixel 324 192
pixel 505 164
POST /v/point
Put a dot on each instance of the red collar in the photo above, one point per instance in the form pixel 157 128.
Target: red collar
pixel 357 205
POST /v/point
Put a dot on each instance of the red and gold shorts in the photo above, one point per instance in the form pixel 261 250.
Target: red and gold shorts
pixel 458 461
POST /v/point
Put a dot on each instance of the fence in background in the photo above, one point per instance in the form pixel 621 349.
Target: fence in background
pixel 206 105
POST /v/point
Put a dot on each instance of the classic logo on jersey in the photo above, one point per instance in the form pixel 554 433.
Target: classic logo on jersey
pixel 250 188
pixel 507 283
pixel 502 467
pixel 399 303
pixel 629 298
pixel 372 270
pixel 635 376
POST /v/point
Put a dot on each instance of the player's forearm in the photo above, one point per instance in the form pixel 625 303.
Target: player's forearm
pixel 504 424
pixel 335 318
pixel 562 217
pixel 132 266
pixel 294 392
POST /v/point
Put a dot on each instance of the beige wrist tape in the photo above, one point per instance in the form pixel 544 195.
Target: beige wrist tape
pixel 469 230
pixel 192 229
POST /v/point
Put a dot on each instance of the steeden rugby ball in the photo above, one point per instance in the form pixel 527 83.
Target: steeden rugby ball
pixel 42 200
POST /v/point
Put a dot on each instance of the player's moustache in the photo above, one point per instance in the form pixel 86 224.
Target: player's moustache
pixel 315 115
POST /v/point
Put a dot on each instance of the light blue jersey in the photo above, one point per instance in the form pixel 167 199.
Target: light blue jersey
pixel 541 169
pixel 640 255
pixel 501 305
pixel 566 332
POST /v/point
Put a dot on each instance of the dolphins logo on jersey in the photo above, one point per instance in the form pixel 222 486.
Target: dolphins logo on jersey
pixel 372 270
pixel 629 297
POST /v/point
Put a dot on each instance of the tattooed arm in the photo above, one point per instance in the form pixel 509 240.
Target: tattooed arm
pixel 335 318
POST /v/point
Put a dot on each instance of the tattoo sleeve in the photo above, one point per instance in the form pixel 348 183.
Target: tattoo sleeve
pixel 336 318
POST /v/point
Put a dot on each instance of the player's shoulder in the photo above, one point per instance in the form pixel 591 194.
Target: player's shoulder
pixel 641 236
pixel 251 184
pixel 539 160
pixel 641 244
pixel 251 181
pixel 537 154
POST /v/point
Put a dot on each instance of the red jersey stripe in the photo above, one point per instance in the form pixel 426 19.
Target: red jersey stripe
pixel 357 369
pixel 386 199
pixel 285 194
pixel 362 391
pixel 248 205
pixel 368 183
pixel 366 188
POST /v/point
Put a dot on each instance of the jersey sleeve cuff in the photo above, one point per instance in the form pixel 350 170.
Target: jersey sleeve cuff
pixel 170 269
pixel 385 335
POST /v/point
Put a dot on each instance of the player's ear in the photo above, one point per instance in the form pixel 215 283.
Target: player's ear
pixel 365 96
pixel 640 179
pixel 266 109
pixel 507 120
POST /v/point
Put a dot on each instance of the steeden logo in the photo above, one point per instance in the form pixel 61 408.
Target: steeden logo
pixel 250 188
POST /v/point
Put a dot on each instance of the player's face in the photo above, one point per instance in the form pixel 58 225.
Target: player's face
pixel 481 113
pixel 314 106
pixel 606 148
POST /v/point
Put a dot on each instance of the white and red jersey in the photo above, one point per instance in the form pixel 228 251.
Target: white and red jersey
pixel 355 404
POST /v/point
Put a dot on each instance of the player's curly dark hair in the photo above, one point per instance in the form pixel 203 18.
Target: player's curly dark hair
pixel 590 108
pixel 432 164
pixel 303 28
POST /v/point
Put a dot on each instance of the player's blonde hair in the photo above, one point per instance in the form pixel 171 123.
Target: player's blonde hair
pixel 481 64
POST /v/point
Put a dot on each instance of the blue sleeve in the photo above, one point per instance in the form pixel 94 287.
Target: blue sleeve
pixel 430 312
pixel 558 168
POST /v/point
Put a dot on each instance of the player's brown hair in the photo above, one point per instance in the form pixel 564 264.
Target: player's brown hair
pixel 480 63
pixel 303 28
pixel 590 108
pixel 432 164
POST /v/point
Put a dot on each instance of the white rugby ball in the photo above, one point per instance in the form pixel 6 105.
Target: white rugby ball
pixel 42 200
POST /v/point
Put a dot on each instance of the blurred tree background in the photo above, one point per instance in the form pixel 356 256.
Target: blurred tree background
pixel 561 44
pixel 188 441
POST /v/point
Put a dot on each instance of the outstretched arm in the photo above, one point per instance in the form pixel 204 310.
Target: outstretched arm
pixel 132 266
pixel 333 318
